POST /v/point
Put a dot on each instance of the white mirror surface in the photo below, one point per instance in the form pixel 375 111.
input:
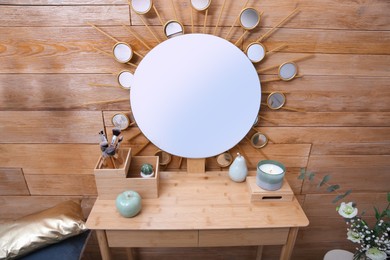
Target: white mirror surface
pixel 125 79
pixel 173 28
pixel 288 71
pixel 200 5
pixel 141 6
pixel 255 52
pixel 188 89
pixel 249 18
pixel 276 100
pixel 122 52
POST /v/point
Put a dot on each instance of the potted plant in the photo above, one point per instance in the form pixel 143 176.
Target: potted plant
pixel 147 170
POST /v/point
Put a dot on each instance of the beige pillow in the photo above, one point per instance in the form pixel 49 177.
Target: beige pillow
pixel 37 230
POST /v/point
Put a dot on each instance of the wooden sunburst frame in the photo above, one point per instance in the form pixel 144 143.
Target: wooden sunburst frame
pixel 258 43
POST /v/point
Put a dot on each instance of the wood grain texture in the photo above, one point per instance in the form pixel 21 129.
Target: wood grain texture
pixel 12 182
pixel 50 126
pixel 40 16
pixel 57 159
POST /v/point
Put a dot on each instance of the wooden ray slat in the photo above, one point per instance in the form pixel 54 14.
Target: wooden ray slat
pixel 12 182
pixel 67 159
pixel 39 16
pixel 50 126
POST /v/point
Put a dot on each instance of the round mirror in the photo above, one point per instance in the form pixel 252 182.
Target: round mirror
pixel 164 157
pixel 141 6
pixel 287 71
pixel 122 52
pixel 173 28
pixel 255 52
pixel 276 100
pixel 249 18
pixel 125 79
pixel 120 121
pixel 224 159
pixel 200 5
pixel 256 121
pixel 259 140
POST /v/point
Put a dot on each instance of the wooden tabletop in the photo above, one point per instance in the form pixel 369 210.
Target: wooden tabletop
pixel 199 202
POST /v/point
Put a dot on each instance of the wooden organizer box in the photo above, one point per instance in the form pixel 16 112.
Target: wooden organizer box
pixel 110 182
pixel 258 194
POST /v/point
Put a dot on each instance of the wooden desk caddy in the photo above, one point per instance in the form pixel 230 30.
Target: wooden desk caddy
pixel 258 194
pixel 110 182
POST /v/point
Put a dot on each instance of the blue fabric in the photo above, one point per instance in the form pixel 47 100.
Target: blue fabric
pixel 68 249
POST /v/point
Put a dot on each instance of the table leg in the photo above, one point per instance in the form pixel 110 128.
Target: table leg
pixel 130 254
pixel 259 253
pixel 289 246
pixel 103 244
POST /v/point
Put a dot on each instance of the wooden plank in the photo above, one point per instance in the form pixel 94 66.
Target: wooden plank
pixel 367 15
pixel 55 185
pixel 57 159
pixel 325 65
pixel 364 201
pixel 320 135
pixel 12 182
pixel 333 93
pixel 71 92
pixel 351 149
pixel 51 15
pixel 18 206
pixel 50 126
pixel 63 2
pixel 281 118
pixel 367 178
pixel 325 41
pixel 349 161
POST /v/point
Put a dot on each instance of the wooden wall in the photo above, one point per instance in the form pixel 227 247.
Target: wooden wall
pixel 50 113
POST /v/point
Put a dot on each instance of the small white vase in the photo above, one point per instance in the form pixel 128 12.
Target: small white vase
pixel 238 169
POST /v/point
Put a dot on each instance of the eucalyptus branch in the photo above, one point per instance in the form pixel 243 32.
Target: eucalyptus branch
pixel 324 181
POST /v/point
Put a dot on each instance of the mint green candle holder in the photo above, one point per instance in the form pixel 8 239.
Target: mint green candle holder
pixel 270 175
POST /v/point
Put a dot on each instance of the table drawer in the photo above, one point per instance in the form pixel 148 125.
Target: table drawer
pixel 152 238
pixel 243 237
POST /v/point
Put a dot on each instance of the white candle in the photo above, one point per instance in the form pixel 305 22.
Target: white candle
pixel 271 168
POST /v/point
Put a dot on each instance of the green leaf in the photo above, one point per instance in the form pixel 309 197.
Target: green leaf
pixel 377 214
pixel 333 188
pixel 342 196
pixel 311 176
pixel 388 197
pixel 388 213
pixel 324 180
pixel 302 174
